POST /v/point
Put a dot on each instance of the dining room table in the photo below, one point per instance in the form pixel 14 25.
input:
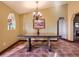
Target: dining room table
pixel 30 36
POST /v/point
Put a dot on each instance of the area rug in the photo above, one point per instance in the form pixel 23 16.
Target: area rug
pixel 36 52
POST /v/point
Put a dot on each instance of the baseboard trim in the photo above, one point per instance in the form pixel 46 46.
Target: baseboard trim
pixel 24 41
pixel 8 47
pixel 66 40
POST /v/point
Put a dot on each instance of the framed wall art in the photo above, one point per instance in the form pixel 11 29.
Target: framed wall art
pixel 39 24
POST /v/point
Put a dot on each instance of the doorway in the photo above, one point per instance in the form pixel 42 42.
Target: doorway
pixel 76 27
pixel 61 28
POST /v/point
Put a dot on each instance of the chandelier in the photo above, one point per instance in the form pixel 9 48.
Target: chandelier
pixel 38 20
pixel 37 15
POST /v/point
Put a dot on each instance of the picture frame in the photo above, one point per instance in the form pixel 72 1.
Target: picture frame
pixel 39 24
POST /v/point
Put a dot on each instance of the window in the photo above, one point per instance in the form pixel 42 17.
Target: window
pixel 11 21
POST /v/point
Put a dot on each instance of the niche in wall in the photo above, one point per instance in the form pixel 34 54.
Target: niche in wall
pixel 76 27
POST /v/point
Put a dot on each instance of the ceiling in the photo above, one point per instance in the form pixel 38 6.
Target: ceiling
pixel 28 6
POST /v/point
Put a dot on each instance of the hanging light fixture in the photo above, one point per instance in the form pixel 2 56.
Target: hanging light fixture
pixel 37 15
pixel 38 20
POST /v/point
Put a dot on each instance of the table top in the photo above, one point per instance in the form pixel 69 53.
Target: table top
pixel 40 36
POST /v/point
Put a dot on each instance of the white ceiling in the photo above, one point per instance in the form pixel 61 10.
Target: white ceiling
pixel 28 6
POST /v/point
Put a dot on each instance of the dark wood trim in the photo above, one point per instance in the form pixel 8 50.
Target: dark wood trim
pixel 58 27
pixel 60 18
pixel 66 40
pixel 40 40
pixel 38 28
pixel 44 40
pixel 25 41
pixel 8 47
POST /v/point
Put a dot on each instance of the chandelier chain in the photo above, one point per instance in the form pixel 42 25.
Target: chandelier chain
pixel 37 6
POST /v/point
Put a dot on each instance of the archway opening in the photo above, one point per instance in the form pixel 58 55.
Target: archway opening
pixel 76 27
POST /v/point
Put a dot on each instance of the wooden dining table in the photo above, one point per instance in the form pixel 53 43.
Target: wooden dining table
pixel 38 36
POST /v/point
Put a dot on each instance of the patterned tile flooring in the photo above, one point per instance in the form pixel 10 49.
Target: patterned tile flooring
pixel 60 48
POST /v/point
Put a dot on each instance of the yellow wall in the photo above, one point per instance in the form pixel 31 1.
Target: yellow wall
pixel 51 16
pixel 21 24
pixel 73 8
pixel 7 37
pixel 24 23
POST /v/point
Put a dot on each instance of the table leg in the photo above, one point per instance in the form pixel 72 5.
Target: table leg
pixel 30 47
pixel 49 46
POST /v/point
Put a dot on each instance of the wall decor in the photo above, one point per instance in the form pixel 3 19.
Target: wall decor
pixel 39 24
pixel 11 21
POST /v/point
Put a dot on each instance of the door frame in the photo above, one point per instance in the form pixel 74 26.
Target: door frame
pixel 60 18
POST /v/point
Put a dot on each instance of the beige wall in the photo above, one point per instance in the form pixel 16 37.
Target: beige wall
pixel 51 16
pixel 24 23
pixel 73 8
pixel 21 24
pixel 7 37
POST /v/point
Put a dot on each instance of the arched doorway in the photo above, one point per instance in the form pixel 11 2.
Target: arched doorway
pixel 61 28
pixel 76 27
